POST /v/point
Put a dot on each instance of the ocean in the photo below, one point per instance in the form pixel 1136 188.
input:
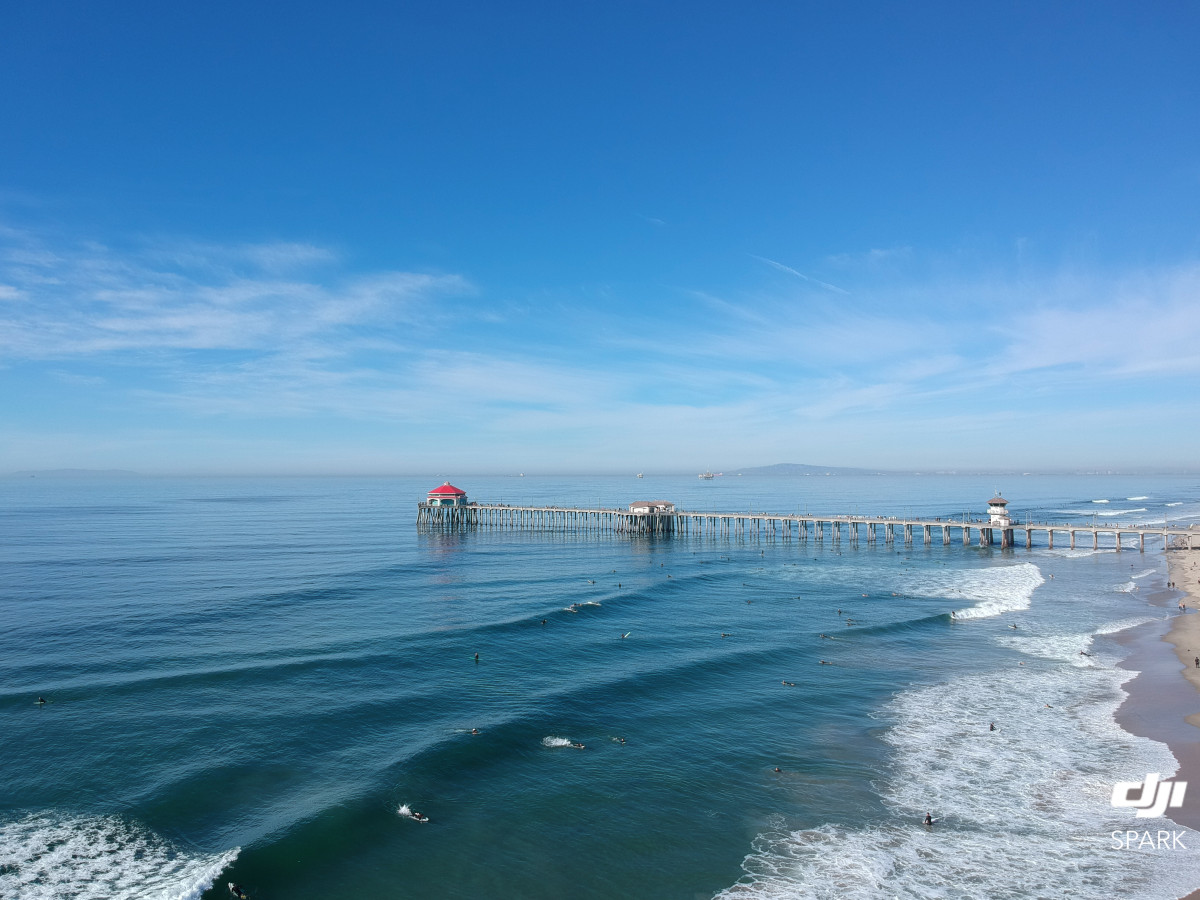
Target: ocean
pixel 249 680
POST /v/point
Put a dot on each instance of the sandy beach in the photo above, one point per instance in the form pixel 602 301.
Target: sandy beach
pixel 1183 570
pixel 1183 567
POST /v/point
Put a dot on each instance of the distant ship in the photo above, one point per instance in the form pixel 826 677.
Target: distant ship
pixel 707 476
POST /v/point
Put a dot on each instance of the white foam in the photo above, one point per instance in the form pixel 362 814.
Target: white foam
pixel 1128 587
pixel 995 590
pixel 1099 501
pixel 1121 512
pixel 1176 503
pixel 48 856
pixel 1145 574
pixel 1137 498
pixel 553 741
pixel 1121 625
pixel 1025 810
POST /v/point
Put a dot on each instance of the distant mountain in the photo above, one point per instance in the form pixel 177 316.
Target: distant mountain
pixel 803 469
pixel 74 473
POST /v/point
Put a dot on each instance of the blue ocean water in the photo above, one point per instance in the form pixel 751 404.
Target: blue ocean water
pixel 248 678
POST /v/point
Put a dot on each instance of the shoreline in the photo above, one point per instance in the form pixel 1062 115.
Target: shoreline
pixel 1160 704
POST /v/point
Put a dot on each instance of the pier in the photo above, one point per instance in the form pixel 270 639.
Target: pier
pixel 822 529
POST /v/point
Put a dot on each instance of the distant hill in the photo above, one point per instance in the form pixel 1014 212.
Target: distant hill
pixel 74 473
pixel 804 469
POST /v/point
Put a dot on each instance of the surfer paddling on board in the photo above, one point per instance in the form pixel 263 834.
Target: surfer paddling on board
pixel 238 891
pixel 577 745
pixel 929 820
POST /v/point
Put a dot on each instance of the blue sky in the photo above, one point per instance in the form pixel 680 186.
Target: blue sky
pixel 377 238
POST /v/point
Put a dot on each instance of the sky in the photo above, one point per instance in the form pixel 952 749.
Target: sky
pixel 466 238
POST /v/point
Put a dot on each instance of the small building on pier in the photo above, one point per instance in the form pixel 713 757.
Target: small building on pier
pixel 998 512
pixel 447 495
pixel 652 507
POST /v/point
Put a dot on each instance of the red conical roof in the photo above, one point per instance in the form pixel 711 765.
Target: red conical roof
pixel 447 490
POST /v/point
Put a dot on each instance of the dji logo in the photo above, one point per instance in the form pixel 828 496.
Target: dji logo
pixel 1154 798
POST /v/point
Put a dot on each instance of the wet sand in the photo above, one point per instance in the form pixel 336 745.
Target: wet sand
pixel 1161 705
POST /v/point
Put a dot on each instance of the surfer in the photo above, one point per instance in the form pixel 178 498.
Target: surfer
pixel 928 819
pixel 577 745
pixel 788 683
pixel 476 657
pixel 824 663
pixel 238 891
pixel 41 701
pixel 474 731
pixel 992 727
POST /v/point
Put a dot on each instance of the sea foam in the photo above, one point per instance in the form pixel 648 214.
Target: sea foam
pixel 1024 811
pixel 48 856
pixel 995 590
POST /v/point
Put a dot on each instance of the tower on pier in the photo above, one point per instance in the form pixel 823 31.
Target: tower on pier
pixel 998 512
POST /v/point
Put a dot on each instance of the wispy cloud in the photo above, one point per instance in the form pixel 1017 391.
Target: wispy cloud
pixel 782 268
pixel 194 332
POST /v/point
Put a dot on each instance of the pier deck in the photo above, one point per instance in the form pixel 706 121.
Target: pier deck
pixel 835 529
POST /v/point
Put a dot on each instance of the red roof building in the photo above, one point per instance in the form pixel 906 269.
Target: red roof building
pixel 447 495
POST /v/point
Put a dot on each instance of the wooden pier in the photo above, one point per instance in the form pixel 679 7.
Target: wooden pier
pixel 820 529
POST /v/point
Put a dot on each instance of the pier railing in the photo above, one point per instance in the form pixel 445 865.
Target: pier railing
pixel 852 529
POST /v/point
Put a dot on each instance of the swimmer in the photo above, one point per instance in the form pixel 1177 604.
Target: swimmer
pixel 777 769
pixel 474 731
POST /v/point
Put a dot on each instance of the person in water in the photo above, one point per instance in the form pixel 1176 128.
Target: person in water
pixel 474 731
pixel 238 891
pixel 41 701
pixel 992 727
pixel 577 745
pixel 928 819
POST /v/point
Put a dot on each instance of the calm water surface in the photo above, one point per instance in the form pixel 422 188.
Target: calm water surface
pixel 249 677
